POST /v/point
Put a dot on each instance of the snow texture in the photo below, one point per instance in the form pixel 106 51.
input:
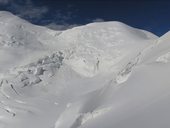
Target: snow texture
pixel 100 75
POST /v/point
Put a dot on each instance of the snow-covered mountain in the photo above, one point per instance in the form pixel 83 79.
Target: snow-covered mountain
pixel 101 75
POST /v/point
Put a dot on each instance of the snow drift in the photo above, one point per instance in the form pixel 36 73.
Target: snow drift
pixel 101 75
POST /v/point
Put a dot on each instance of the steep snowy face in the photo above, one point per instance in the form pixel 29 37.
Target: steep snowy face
pixel 142 100
pixel 136 97
pixel 94 76
pixel 22 39
pixel 160 51
pixel 89 50
pixel 16 32
pixel 98 47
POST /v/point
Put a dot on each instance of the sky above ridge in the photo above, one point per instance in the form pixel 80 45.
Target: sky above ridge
pixel 150 15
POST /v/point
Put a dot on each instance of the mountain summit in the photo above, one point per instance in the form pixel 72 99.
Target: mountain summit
pixel 100 75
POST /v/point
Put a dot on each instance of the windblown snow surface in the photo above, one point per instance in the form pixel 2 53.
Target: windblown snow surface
pixel 101 75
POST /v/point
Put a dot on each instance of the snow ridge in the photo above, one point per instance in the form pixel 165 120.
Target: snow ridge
pixel 73 78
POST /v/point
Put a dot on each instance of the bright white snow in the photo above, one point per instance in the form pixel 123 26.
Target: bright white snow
pixel 101 75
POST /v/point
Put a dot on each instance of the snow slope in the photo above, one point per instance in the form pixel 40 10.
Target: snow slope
pixel 101 75
pixel 22 39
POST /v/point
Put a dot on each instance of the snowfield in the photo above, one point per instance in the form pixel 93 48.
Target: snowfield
pixel 100 75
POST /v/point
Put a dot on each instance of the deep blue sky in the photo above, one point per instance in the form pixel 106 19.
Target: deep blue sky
pixel 151 15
